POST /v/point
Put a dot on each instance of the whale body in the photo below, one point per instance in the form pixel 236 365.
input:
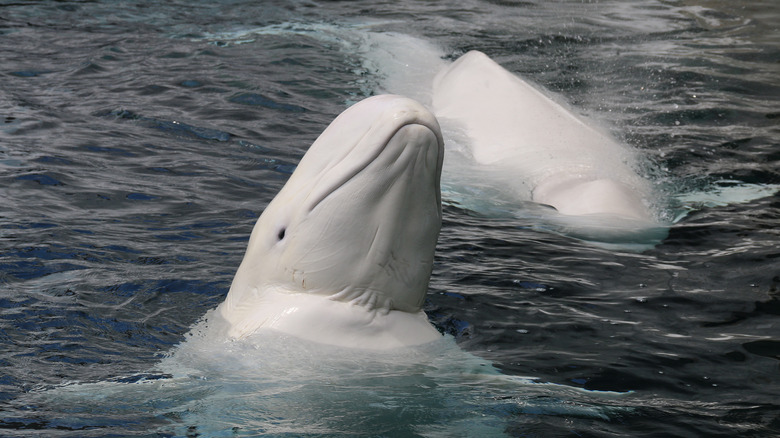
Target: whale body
pixel 529 144
pixel 343 254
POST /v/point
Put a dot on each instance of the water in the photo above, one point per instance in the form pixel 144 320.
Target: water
pixel 140 141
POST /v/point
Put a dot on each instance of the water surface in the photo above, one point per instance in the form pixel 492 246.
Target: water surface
pixel 140 141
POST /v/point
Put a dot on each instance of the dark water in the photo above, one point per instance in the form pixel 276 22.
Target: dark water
pixel 140 141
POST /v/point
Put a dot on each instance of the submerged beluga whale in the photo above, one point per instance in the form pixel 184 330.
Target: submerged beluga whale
pixel 343 254
pixel 535 148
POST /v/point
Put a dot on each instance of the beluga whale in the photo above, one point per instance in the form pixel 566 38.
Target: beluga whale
pixel 344 252
pixel 533 147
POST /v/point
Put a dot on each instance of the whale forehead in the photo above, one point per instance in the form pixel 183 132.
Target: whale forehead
pixel 359 218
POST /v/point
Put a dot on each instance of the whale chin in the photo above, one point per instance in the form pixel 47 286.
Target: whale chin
pixel 344 252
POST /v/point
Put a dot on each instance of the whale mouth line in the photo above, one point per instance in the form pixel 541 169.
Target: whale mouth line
pixel 367 162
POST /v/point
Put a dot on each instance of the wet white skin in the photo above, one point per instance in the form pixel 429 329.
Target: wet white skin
pixel 344 252
pixel 526 136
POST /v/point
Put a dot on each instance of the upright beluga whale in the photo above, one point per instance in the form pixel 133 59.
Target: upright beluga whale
pixel 343 254
pixel 539 150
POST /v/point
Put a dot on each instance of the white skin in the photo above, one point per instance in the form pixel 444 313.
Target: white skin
pixel 537 146
pixel 344 252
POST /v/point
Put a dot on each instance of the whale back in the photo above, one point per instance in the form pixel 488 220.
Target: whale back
pixel 537 144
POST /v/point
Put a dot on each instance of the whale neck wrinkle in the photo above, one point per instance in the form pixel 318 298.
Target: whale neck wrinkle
pixel 323 319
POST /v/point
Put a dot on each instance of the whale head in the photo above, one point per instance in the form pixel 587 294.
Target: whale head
pixel 357 222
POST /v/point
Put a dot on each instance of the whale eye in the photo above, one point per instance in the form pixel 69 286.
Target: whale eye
pixel 281 233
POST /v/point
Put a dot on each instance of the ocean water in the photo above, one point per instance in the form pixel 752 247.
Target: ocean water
pixel 139 142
